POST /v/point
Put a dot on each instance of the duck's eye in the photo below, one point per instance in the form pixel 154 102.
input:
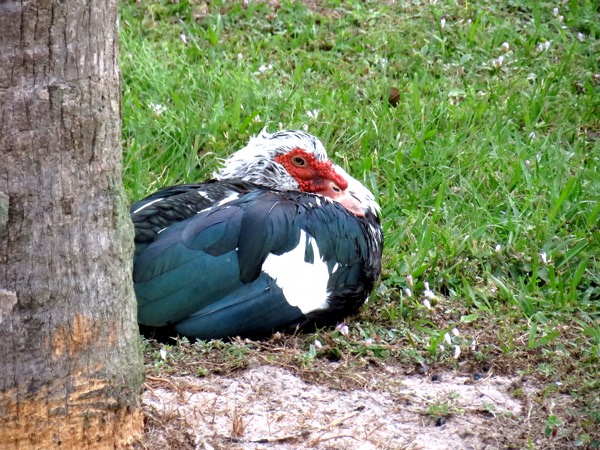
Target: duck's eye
pixel 299 161
pixel 336 188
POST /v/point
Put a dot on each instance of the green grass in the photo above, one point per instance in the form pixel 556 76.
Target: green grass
pixel 487 172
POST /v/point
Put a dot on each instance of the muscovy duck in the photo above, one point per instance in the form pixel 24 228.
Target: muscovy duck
pixel 281 238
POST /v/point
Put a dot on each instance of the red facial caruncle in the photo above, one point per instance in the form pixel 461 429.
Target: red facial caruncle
pixel 310 174
pixel 318 177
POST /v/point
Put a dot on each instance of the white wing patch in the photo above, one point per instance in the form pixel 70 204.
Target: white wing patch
pixel 203 194
pixel 229 198
pixel 147 204
pixel 304 284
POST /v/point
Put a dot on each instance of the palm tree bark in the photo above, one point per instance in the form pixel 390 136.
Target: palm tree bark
pixel 70 363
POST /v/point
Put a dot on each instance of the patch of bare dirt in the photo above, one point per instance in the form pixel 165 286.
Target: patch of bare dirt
pixel 269 407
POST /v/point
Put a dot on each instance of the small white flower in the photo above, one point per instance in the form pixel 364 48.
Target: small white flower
pixel 455 332
pixel 280 126
pixel 256 119
pixel 314 114
pixel 527 163
pixel 456 351
pixel 561 18
pixel 240 56
pixel 532 135
pixel 498 248
pixel 163 354
pixel 580 37
pixel 409 280
pixel 305 127
pixel 343 329
pixel 408 292
pixel 183 38
pixel 426 304
pixel 368 341
pixel 555 12
pixel 384 61
pixel 428 293
pixel 157 108
pixel 469 21
pixel 443 22
pixel 473 345
pixel 544 257
pixel 264 68
pixel 546 45
pixel 441 348
pixel 318 344
pixel 498 62
pixel 505 47
pixel 447 338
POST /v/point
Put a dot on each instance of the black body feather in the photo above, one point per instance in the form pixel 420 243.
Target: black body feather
pixel 200 250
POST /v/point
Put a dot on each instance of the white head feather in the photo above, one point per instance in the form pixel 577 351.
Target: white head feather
pixel 256 162
pixel 357 190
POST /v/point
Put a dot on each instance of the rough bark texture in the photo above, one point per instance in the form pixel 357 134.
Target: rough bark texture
pixel 70 366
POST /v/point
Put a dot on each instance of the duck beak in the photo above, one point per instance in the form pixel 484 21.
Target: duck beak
pixel 344 197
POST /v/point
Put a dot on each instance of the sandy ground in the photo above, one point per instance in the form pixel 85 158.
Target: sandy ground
pixel 268 407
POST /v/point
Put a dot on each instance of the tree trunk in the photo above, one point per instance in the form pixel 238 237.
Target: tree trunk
pixel 70 363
